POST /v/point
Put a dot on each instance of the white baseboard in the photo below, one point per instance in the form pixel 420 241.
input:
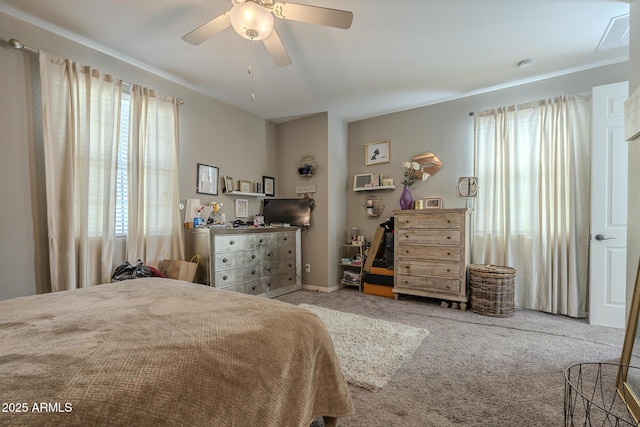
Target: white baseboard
pixel 320 288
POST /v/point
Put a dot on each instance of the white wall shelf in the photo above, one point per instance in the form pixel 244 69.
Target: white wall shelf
pixel 243 193
pixel 380 187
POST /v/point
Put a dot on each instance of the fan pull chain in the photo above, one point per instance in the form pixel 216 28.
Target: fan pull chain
pixel 250 71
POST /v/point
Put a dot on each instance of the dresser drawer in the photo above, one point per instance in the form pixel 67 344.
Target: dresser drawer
pixel 254 287
pixel 236 242
pixel 435 253
pixel 429 284
pixel 429 237
pixel 278 253
pixel 433 220
pixel 448 270
pixel 225 278
pixel 279 267
pixel 236 259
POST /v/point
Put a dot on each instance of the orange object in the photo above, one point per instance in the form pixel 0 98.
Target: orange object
pixel 379 290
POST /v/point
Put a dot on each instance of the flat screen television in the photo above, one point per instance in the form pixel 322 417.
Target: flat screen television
pixel 288 211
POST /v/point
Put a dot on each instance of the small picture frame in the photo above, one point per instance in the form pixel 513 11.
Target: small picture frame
pixel 244 186
pixel 362 180
pixel 377 152
pixel 242 208
pixel 269 185
pixel 228 184
pixel 207 179
pixel 258 187
pixel 433 202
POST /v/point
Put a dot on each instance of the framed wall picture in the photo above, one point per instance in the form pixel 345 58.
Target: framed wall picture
pixel 228 184
pixel 377 152
pixel 433 202
pixel 269 185
pixel 244 186
pixel 363 180
pixel 207 179
pixel 242 208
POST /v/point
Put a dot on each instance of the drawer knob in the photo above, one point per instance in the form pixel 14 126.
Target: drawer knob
pixel 253 272
pixel 269 269
pixel 224 277
pixel 269 254
pixel 290 251
pixel 290 278
pixel 261 240
pixel 285 238
pixel 407 236
pixel 253 256
pixel 290 265
pixel 231 242
pixel 224 260
pixel 253 287
pixel 406 251
pixel 269 285
pixel 448 237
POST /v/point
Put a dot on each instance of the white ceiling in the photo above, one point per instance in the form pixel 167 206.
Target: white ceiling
pixel 396 55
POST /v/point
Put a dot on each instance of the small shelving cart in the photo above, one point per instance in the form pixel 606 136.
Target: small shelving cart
pixel 351 265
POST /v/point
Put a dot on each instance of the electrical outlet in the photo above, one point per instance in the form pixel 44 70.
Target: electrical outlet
pixel 307 268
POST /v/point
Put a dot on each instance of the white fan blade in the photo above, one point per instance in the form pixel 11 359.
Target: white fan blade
pixel 313 14
pixel 276 49
pixel 208 29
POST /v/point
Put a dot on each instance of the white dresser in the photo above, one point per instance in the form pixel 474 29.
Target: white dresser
pixel 258 261
pixel 432 251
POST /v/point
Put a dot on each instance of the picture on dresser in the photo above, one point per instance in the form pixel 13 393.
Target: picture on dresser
pixel 242 208
pixel 433 202
pixel 207 180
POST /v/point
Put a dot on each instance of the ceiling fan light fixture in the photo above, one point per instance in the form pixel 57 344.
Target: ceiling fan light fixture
pixel 251 21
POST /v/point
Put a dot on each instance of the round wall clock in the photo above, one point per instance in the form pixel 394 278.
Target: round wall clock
pixel 467 187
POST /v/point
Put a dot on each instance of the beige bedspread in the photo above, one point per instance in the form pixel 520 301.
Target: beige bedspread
pixel 163 352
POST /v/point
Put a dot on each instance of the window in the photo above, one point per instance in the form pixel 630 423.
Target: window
pixel 122 179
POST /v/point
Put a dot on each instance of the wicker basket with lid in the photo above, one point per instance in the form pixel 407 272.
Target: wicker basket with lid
pixel 492 290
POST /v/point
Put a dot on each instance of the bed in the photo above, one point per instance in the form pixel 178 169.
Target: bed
pixel 164 352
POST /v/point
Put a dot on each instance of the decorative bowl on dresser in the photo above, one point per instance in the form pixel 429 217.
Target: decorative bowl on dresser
pixel 432 252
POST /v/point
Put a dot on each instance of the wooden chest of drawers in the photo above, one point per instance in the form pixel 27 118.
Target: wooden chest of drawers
pixel 432 253
pixel 259 261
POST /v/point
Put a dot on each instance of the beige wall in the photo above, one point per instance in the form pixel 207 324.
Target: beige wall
pixel 633 227
pixel 308 136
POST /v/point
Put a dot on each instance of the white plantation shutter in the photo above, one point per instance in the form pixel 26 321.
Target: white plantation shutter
pixel 122 180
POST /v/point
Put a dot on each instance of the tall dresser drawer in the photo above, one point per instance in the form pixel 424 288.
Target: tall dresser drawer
pixel 429 284
pixel 429 237
pixel 433 220
pixel 435 253
pixel 430 268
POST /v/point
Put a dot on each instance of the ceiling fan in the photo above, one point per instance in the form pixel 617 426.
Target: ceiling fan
pixel 253 20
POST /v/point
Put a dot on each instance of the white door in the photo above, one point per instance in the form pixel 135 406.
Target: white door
pixel 608 252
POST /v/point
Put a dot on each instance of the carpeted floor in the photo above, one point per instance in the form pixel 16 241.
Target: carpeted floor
pixel 472 370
